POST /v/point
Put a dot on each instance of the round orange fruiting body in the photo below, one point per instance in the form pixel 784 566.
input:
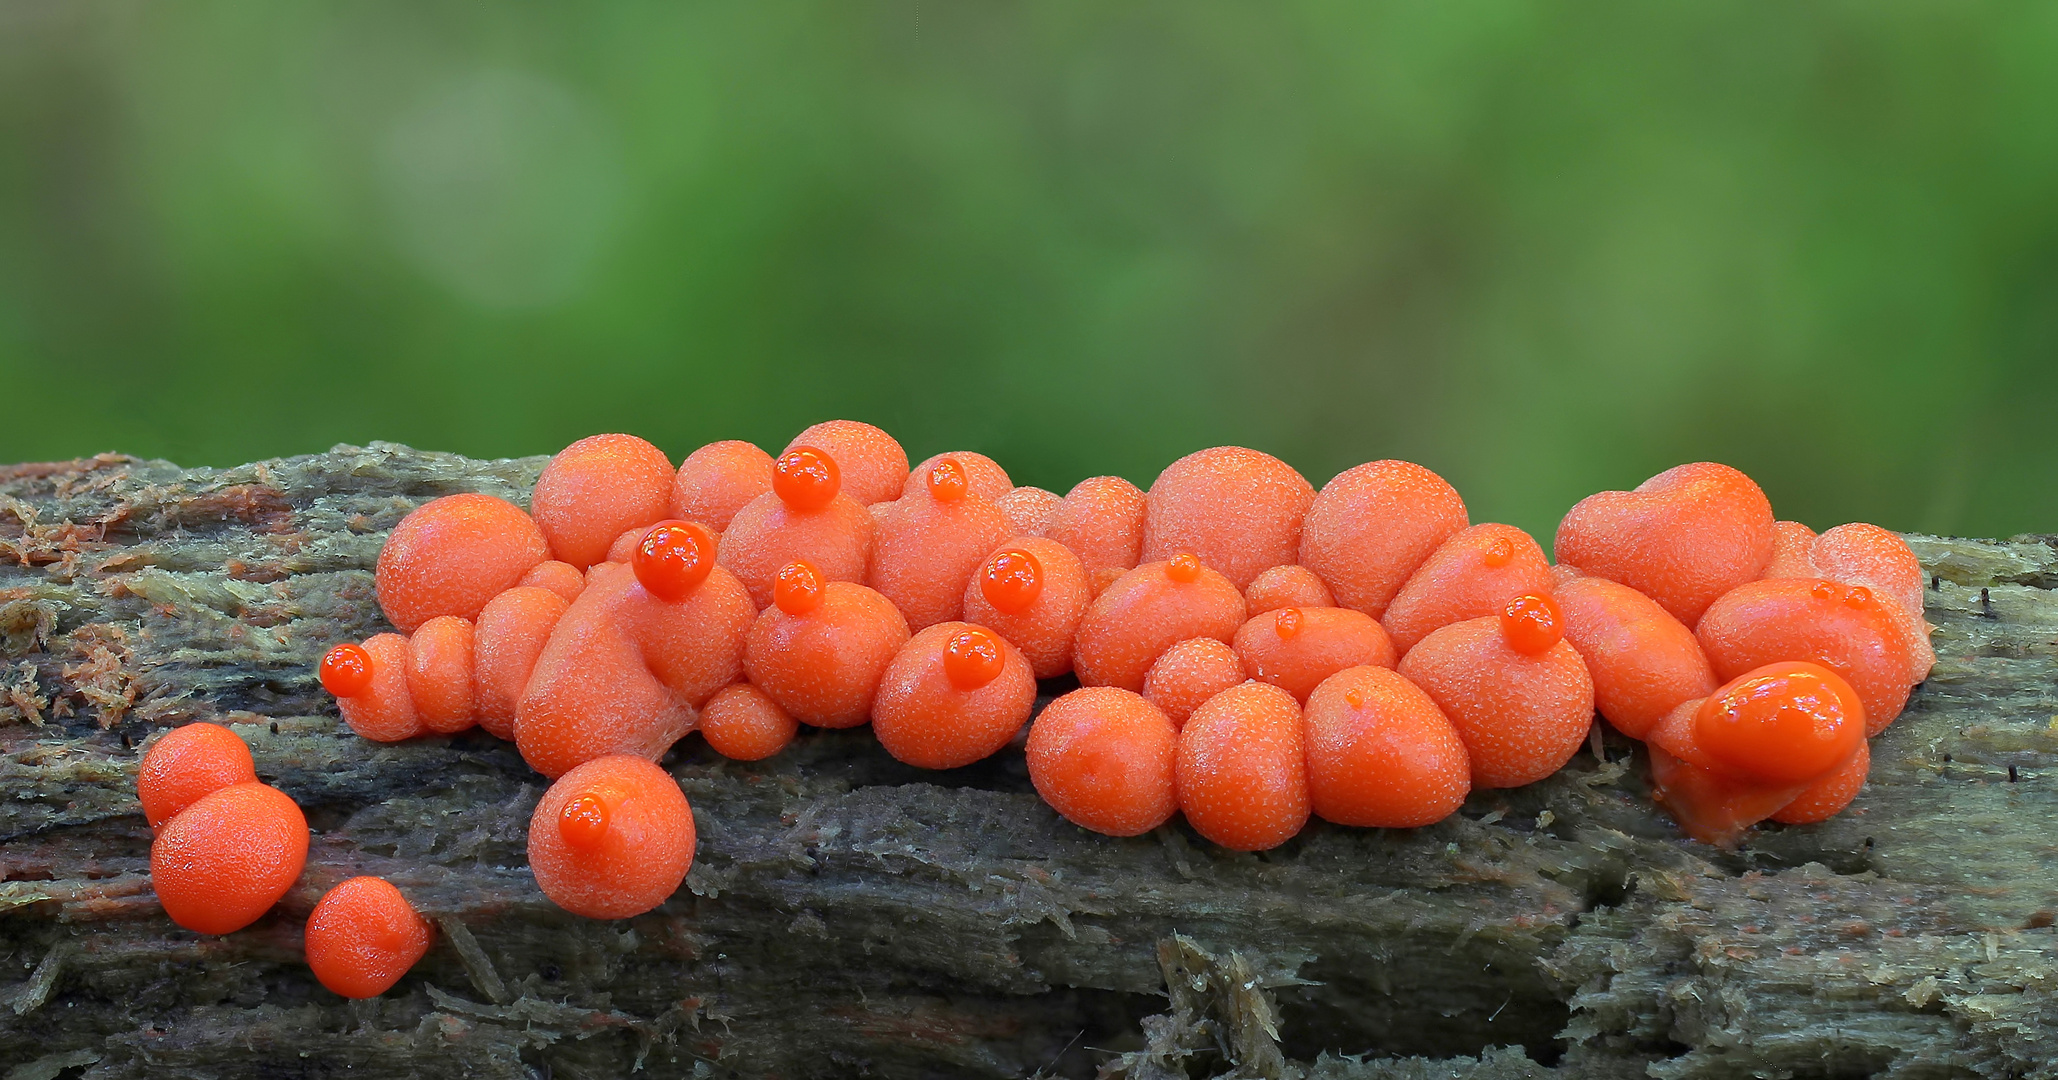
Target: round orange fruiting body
pixel 1783 723
pixel 1844 628
pixel 1371 527
pixel 1643 661
pixel 1242 768
pixel 1684 537
pixel 509 636
pixel 873 465
pixel 363 936
pixel 439 674
pixel 1521 717
pixel 1148 610
pixel 982 475
pixel 612 838
pixel 1104 759
pixel 1474 574
pixel 928 547
pixel 823 665
pixel 346 670
pixel 1189 673
pixel 562 578
pixel 953 695
pixel 1381 754
pixel 1296 648
pixel 820 525
pixel 187 763
pixel 1101 520
pixel 595 490
pixel 451 555
pixel 1240 510
pixel 384 711
pixel 1032 592
pixel 742 723
pixel 222 862
pixel 1286 586
pixel 717 480
pixel 673 558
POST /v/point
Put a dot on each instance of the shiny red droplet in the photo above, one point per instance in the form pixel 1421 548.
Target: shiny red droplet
pixel 1184 568
pixel 1500 551
pixel 1287 622
pixel 1354 697
pixel 1789 722
pixel 583 821
pixel 971 659
pixel 1823 590
pixel 947 480
pixel 674 558
pixel 1011 581
pixel 805 478
pixel 346 671
pixel 798 589
pixel 1532 624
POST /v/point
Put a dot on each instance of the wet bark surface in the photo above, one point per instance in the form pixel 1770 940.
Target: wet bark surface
pixel 849 916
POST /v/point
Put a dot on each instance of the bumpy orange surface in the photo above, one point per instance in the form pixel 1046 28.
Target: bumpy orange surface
pixel 823 666
pixel 1101 520
pixel 719 479
pixel 1242 768
pixel 439 674
pixel 510 635
pixel 1147 611
pixel 562 578
pixel 225 860
pixel 1372 526
pixel 1189 673
pixel 1239 510
pixel 741 723
pixel 930 542
pixel 1286 586
pixel 1474 574
pixel 1842 627
pixel 384 711
pixel 363 936
pixel 934 713
pixel 1861 554
pixel 187 763
pixel 873 463
pixel 1381 754
pixel 611 838
pixel 1033 593
pixel 1296 648
pixel 1683 538
pixel 1029 509
pixel 1103 758
pixel 1643 661
pixel 1521 717
pixel 453 554
pixel 596 489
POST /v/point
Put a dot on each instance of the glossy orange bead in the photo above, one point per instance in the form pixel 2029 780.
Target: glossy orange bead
pixel 953 695
pixel 972 658
pixel 1032 592
pixel 346 670
pixel 1184 567
pixel 187 763
pixel 1381 754
pixel 633 850
pixel 363 936
pixel 384 712
pixel 439 674
pixel 1789 722
pixel 673 558
pixel 743 723
pixel 583 821
pixel 946 481
pixel 594 491
pixel 1104 758
pixel 1711 802
pixel 453 554
pixel 719 479
pixel 221 863
pixel 1011 580
pixel 1188 674
pixel 805 478
pixel 1242 768
pixel 1532 623
pixel 798 589
pixel 509 636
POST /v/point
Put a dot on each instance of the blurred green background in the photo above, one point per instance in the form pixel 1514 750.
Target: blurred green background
pixel 1543 249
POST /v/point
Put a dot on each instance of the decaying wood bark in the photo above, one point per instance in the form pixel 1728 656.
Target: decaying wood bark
pixel 848 916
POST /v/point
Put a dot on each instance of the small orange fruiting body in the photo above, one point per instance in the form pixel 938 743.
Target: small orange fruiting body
pixel 719 479
pixel 346 670
pixel 612 838
pixel 823 666
pixel 1521 717
pixel 953 695
pixel 1104 759
pixel 1286 586
pixel 1148 610
pixel 1029 509
pixel 873 464
pixel 1474 574
pixel 222 862
pixel 187 763
pixel 1240 510
pixel 562 578
pixel 1683 538
pixel 928 548
pixel 743 724
pixel 1643 661
pixel 439 674
pixel 1381 754
pixel 1101 520
pixel 384 712
pixel 510 635
pixel 673 558
pixel 1844 628
pixel 453 554
pixel 363 936
pixel 1189 673
pixel 982 476
pixel 1793 551
pixel 595 490
pixel 1296 648
pixel 1371 527
pixel 1783 723
pixel 1242 768
pixel 1033 593
pixel 834 535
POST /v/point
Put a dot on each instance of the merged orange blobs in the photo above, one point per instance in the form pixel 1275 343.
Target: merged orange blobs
pixel 383 710
pixel 954 694
pixel 1867 555
pixel 1843 627
pixel 1643 661
pixel 1373 526
pixel 1101 520
pixel 807 517
pixel 1521 716
pixel 742 723
pixel 1104 759
pixel 981 475
pixel 453 554
pixel 596 489
pixel 612 838
pixel 1683 538
pixel 717 480
pixel 1033 593
pixel 1296 648
pixel 1381 753
pixel 1242 768
pixel 1148 610
pixel 874 466
pixel 1474 574
pixel 439 674
pixel 822 663
pixel 363 936
pixel 223 861
pixel 931 541
pixel 188 763
pixel 508 638
pixel 1188 674
pixel 1286 586
pixel 1239 510
pixel 1029 509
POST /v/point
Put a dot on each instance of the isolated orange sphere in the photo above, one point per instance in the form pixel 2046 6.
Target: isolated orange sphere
pixel 612 838
pixel 363 936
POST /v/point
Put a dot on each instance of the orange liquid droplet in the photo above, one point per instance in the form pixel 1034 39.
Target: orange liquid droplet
pixel 673 559
pixel 1500 551
pixel 798 589
pixel 1823 590
pixel 1858 597
pixel 346 671
pixel 583 821
pixel 1011 581
pixel 1184 568
pixel 1532 624
pixel 1354 697
pixel 972 659
pixel 1783 723
pixel 1287 623
pixel 947 481
pixel 805 478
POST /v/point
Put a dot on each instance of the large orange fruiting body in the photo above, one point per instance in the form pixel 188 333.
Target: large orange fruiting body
pixel 1101 520
pixel 983 476
pixel 1242 768
pixel 1239 510
pixel 1148 610
pixel 1643 661
pixel 1522 717
pixel 562 578
pixel 874 465
pixel 510 635
pixel 823 665
pixel 187 763
pixel 1683 538
pixel 1842 627
pixel 363 936
pixel 439 674
pixel 1033 593
pixel 453 554
pixel 741 723
pixel 384 712
pixel 1372 526
pixel 225 860
pixel 1286 586
pixel 1381 754
pixel 1295 649
pixel 1103 758
pixel 717 480
pixel 931 541
pixel 1861 554
pixel 612 838
pixel 1029 509
pixel 1793 551
pixel 1474 574
pixel 1188 674
pixel 596 489
pixel 807 518
pixel 954 694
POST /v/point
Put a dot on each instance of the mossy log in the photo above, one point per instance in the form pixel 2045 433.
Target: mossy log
pixel 848 916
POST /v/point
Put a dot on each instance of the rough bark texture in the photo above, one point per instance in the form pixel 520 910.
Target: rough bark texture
pixel 848 916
